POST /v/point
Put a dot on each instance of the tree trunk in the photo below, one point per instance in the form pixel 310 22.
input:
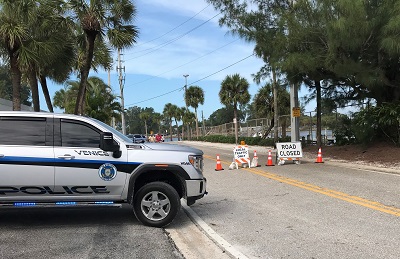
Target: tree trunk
pixel 235 122
pixel 145 129
pixel 183 131
pixel 84 73
pixel 34 88
pixel 177 129
pixel 170 129
pixel 197 124
pixel 46 94
pixel 268 130
pixel 16 81
pixel 319 126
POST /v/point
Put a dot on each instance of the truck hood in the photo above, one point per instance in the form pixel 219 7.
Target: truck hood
pixel 173 147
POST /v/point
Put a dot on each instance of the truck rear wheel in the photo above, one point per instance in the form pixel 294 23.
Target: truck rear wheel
pixel 156 204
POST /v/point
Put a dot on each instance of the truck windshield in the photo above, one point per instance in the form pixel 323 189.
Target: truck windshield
pixel 113 131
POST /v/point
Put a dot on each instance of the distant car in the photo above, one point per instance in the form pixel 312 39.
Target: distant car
pixel 137 138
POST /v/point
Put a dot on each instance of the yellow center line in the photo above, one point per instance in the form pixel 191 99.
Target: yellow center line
pixel 325 191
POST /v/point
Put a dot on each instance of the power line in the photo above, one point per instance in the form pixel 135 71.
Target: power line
pixel 152 77
pixel 159 37
pixel 153 49
pixel 180 88
pixel 222 69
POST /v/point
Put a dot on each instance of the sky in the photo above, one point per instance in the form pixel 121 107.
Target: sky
pixel 178 38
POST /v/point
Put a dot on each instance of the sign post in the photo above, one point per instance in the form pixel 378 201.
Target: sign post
pixel 289 151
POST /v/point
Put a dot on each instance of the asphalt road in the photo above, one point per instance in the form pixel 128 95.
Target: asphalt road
pixel 80 233
pixel 301 211
pixel 291 211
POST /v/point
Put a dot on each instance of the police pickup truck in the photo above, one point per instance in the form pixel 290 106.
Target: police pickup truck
pixel 62 160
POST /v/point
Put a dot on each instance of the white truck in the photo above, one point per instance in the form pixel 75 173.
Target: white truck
pixel 62 160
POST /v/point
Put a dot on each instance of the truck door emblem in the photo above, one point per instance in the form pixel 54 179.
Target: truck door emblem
pixel 107 172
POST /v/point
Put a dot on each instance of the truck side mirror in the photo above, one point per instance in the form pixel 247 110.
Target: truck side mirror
pixel 107 142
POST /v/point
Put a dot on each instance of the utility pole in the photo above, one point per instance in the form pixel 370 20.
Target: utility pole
pixel 121 80
pixel 204 127
pixel 295 113
pixel 294 108
pixel 109 88
pixel 187 109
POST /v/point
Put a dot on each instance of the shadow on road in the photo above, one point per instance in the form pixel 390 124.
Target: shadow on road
pixel 14 217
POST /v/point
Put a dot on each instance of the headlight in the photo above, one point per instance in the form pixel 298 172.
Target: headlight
pixel 197 162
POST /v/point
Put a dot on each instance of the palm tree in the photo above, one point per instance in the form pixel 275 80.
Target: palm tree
pixel 177 117
pixel 65 98
pixel 182 111
pixel 234 91
pixel 34 37
pixel 188 118
pixel 102 19
pixel 169 113
pixel 101 102
pixel 60 31
pixel 17 18
pixel 158 118
pixel 145 116
pixel 193 97
pixel 264 104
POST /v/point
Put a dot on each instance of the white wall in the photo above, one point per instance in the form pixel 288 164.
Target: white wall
pixel 6 105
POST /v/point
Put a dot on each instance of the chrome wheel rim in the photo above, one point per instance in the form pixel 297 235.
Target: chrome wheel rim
pixel 155 206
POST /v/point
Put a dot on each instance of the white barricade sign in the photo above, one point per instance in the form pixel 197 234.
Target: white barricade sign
pixel 241 155
pixel 289 151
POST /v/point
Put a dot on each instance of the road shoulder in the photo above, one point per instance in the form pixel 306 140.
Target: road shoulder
pixel 191 241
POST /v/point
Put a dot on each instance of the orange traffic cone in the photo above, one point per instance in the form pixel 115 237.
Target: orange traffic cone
pixel 219 166
pixel 319 157
pixel 254 163
pixel 269 161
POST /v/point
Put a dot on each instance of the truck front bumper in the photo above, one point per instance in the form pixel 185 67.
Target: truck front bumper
pixel 195 189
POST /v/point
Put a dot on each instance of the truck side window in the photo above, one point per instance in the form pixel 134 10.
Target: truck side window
pixel 78 135
pixel 22 131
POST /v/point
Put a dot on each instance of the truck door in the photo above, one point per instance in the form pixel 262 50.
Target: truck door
pixel 82 170
pixel 26 158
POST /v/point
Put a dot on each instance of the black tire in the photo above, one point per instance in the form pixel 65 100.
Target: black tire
pixel 156 204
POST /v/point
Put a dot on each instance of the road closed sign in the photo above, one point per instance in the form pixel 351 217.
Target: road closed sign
pixel 289 151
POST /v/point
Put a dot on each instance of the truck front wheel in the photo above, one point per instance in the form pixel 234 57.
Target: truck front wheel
pixel 156 204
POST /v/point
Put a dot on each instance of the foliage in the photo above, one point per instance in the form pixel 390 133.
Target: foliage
pixel 365 126
pixel 389 120
pixel 145 116
pixel 101 19
pixel 135 125
pixel 101 103
pixel 344 51
pixel 193 97
pixel 223 115
pixel 234 91
pixel 263 104
pixel 378 123
pixel 343 131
